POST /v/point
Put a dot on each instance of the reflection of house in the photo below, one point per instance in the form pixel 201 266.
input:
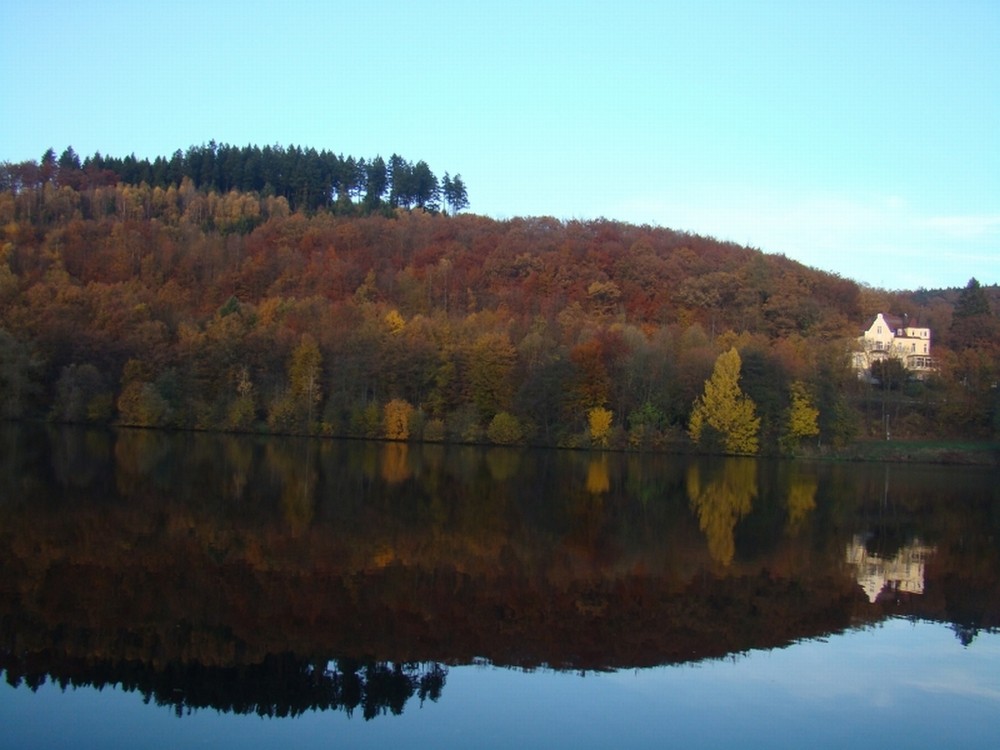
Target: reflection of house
pixel 892 337
pixel 904 572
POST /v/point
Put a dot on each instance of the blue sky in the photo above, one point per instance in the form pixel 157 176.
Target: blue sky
pixel 860 137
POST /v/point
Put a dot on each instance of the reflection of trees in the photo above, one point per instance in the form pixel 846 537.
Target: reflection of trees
pixel 280 686
pixel 447 566
pixel 801 499
pixel 502 463
pixel 79 457
pixel 721 501
pixel 141 457
pixel 297 468
pixel 395 466
pixel 239 461
pixel 598 481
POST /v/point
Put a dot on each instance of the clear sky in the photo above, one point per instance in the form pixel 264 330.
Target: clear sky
pixel 861 137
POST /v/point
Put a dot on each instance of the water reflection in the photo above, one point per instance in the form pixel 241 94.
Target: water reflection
pixel 802 488
pixel 721 499
pixel 598 481
pixel 275 576
pixel 902 573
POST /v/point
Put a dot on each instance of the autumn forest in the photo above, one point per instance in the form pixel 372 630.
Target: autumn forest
pixel 289 291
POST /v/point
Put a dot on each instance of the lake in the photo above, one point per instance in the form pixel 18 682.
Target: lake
pixel 173 589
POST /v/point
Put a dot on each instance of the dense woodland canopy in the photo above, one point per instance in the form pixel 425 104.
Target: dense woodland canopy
pixel 291 291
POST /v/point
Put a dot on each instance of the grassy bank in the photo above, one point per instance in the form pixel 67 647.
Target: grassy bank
pixel 965 452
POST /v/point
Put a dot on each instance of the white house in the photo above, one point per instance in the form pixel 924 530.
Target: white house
pixel 892 337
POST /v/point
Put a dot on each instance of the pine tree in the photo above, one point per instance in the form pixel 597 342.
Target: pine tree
pixel 455 194
pixel 972 323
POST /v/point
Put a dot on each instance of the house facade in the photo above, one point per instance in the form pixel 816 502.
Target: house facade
pixel 891 337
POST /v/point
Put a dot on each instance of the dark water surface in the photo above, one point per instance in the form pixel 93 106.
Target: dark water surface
pixel 167 590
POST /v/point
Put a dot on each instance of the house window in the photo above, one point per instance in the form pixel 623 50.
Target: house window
pixel 913 347
pixel 879 330
pixel 878 345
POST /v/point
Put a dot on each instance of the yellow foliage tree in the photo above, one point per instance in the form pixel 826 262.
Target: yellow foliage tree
pixel 396 420
pixel 725 409
pixel 599 420
pixel 802 416
pixel 394 321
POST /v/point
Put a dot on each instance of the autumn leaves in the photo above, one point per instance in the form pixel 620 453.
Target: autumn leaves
pixel 724 418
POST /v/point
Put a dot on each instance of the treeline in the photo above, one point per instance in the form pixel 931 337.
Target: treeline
pixel 194 308
pixel 282 686
pixel 307 179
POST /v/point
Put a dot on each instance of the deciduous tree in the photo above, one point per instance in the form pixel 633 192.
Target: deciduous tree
pixel 505 429
pixel 802 416
pixel 396 422
pixel 599 421
pixel 724 411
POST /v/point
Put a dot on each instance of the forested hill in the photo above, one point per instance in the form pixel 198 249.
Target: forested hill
pixel 191 307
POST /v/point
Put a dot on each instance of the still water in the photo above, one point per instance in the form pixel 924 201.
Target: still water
pixel 163 590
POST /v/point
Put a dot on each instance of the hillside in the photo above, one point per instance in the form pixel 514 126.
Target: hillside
pixel 186 307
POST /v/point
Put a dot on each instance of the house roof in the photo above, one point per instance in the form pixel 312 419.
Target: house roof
pixel 894 321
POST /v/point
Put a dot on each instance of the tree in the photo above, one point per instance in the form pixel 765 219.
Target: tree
pixel 599 421
pixel 765 381
pixel 396 422
pixel 972 323
pixel 505 429
pixel 802 416
pixel 81 396
pixel 304 374
pixel 376 182
pixel 295 409
pixel 491 369
pixel 400 182
pixel 645 424
pixel 455 195
pixel 140 403
pixel 242 411
pixel 972 301
pixel 723 413
pixel 425 187
pixel 19 370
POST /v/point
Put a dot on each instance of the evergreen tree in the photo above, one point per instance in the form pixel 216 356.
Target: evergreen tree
pixel 455 194
pixel 376 181
pixel 425 187
pixel 972 322
pixel 400 182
